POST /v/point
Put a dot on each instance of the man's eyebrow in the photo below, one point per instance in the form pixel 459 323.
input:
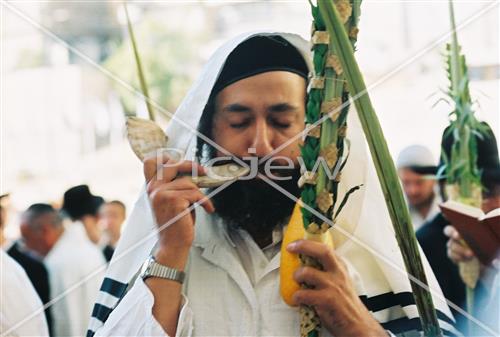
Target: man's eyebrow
pixel 236 107
pixel 275 108
pixel 282 107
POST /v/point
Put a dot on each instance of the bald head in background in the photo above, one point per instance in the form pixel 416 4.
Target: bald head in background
pixel 41 228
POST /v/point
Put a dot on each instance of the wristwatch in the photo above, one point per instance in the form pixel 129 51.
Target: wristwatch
pixel 151 268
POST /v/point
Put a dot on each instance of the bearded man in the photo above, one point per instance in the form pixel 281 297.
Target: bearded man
pixel 220 263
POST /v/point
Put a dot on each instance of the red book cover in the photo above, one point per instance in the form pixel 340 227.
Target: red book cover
pixel 480 231
pixel 492 220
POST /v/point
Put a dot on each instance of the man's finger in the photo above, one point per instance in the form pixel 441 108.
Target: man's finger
pixel 151 163
pixel 455 258
pixel 451 232
pixel 204 201
pixel 192 196
pixel 173 169
pixel 181 183
pixel 324 254
pixel 308 297
pixel 461 252
pixel 167 171
pixel 311 277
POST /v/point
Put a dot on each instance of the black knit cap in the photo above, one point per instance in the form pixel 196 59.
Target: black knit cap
pixel 487 154
pixel 78 201
pixel 260 54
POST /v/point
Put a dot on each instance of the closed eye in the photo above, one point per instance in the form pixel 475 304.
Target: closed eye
pixel 281 125
pixel 240 125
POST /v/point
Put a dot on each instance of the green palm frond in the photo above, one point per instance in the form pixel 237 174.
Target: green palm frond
pixel 385 168
pixel 330 144
pixel 461 168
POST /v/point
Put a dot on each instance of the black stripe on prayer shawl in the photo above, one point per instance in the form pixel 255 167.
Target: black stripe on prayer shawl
pixel 374 304
pixel 387 300
pixel 101 312
pixel 404 324
pixel 90 333
pixel 442 316
pixel 113 287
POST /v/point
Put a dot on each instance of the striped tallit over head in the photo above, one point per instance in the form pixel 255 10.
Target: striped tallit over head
pixel 363 234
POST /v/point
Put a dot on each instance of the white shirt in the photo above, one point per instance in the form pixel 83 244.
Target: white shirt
pixel 76 269
pixel 21 310
pixel 219 297
pixel 418 220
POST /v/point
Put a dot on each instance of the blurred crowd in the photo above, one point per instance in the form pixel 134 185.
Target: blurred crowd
pixel 58 261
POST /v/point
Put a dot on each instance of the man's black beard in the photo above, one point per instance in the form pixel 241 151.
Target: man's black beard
pixel 256 206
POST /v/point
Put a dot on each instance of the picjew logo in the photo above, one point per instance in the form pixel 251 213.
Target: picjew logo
pixel 275 168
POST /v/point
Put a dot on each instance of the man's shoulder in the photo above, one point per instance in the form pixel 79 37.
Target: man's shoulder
pixel 10 266
pixel 75 255
pixel 25 260
pixel 432 227
pixel 90 254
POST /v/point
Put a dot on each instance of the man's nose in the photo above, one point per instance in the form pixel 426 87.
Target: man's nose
pixel 261 144
pixel 410 188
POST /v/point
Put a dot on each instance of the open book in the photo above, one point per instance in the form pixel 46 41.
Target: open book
pixel 480 231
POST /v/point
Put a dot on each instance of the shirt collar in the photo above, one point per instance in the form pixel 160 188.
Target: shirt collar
pixel 214 230
pixel 277 236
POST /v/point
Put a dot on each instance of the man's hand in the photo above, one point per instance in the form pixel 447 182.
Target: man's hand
pixel 333 296
pixel 171 195
pixel 457 250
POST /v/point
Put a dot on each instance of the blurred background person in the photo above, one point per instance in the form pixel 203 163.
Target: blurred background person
pixel 19 301
pixel 444 248
pixel 74 263
pixel 112 214
pixel 82 207
pixel 36 271
pixel 417 170
pixel 29 261
pixel 486 305
pixel 487 292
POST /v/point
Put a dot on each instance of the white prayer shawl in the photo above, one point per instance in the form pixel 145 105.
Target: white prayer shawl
pixel 370 245
pixel 20 302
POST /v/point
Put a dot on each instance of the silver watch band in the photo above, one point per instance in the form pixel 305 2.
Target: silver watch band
pixel 151 268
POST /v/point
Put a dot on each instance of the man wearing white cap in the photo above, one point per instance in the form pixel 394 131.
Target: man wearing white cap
pixel 417 170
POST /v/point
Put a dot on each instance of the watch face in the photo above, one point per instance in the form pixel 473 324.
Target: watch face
pixel 145 266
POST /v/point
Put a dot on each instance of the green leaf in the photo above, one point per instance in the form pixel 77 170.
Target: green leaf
pixel 140 72
pixel 344 200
